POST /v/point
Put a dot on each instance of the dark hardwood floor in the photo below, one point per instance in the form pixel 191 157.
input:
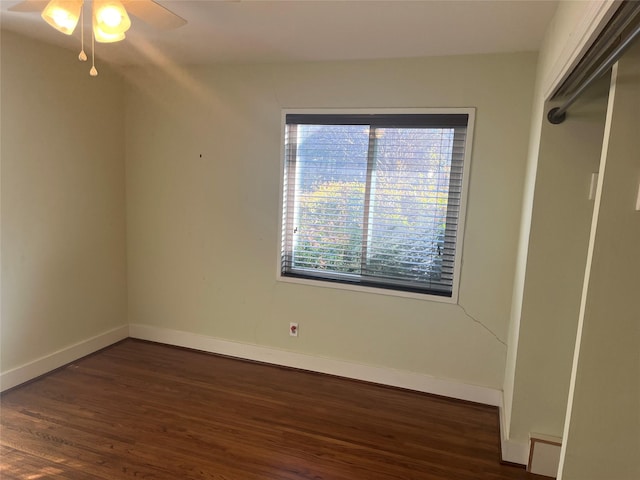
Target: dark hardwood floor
pixel 149 411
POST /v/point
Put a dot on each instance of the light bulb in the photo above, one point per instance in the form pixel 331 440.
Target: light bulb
pixel 110 17
pixel 63 15
pixel 62 18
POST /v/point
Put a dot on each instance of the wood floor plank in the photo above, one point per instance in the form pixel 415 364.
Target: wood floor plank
pixel 144 410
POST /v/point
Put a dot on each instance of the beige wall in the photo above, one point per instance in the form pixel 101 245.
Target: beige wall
pixel 203 166
pixel 602 436
pixel 202 148
pixel 202 162
pixel 63 241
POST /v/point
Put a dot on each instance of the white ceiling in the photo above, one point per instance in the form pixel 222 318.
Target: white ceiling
pixel 306 30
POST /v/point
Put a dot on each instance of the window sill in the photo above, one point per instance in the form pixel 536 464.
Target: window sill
pixel 370 290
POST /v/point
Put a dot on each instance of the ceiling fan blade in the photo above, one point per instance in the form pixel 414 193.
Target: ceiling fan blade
pixel 154 14
pixel 29 6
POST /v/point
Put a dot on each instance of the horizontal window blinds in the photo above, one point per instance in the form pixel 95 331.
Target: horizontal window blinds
pixel 373 201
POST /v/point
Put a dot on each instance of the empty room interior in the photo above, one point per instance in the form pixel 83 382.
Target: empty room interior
pixel 320 239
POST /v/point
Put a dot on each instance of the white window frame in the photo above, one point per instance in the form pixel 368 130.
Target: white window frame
pixel 470 111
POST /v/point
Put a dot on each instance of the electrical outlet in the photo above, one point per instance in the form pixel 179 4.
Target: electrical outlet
pixel 293 329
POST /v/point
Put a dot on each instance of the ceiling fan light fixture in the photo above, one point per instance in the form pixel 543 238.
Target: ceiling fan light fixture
pixel 63 15
pixel 111 17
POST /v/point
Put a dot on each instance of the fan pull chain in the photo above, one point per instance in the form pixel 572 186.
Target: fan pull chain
pixel 93 72
pixel 83 56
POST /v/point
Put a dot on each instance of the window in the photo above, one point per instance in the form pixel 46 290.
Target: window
pixel 375 200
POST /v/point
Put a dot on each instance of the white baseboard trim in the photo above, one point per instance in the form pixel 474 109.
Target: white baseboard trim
pixel 42 365
pixel 512 451
pixel 341 368
pixel 544 454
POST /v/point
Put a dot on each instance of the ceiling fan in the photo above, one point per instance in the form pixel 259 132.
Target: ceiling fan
pixel 148 11
pixel 110 19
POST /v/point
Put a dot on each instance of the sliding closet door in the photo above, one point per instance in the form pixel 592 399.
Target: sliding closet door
pixel 602 433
